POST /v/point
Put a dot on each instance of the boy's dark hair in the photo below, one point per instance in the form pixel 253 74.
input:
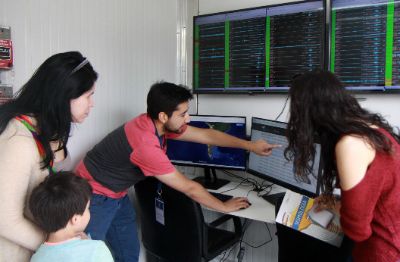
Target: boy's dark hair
pixel 57 199
pixel 165 97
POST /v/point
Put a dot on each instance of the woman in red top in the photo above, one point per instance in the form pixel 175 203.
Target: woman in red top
pixel 361 154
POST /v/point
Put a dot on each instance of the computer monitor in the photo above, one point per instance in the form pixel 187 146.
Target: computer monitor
pixel 364 53
pixel 207 156
pixel 275 168
pixel 258 49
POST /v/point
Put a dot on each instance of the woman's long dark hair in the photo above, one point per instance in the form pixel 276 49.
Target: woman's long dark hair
pixel 47 97
pixel 320 107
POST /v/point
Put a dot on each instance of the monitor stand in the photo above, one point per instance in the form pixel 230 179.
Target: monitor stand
pixel 210 182
pixel 273 198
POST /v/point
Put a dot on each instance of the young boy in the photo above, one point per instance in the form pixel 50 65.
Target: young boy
pixel 60 206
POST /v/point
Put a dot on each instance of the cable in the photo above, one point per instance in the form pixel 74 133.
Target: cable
pixel 244 231
pixel 259 245
pixel 234 187
pixel 232 174
pixel 240 254
pixel 250 180
pixel 283 109
pixel 227 256
pixel 197 104
pixel 223 256
pixel 260 189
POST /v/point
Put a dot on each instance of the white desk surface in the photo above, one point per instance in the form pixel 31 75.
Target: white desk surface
pixel 260 209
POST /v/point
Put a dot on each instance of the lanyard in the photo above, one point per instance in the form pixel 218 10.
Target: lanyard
pixel 161 139
pixel 159 190
pixel 28 124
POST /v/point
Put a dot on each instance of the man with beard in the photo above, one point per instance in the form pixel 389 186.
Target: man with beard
pixel 136 150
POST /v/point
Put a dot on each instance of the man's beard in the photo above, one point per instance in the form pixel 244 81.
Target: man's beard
pixel 170 130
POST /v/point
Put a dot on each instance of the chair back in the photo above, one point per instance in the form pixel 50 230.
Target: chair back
pixel 181 236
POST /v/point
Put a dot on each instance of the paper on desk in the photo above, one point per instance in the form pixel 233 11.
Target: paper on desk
pixel 293 213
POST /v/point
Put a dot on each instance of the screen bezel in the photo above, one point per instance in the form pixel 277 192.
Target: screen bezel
pixel 326 56
pixel 273 90
pixel 282 183
pixel 207 165
pixel 381 89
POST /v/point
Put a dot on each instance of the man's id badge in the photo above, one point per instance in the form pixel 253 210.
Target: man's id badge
pixel 159 204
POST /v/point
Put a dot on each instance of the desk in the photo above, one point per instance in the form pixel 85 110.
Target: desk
pixel 260 209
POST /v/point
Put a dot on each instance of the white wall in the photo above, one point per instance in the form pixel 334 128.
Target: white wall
pixel 212 6
pixel 267 105
pixel 130 43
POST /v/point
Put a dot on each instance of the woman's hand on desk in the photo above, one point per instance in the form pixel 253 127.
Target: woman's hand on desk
pixel 323 202
pixel 236 204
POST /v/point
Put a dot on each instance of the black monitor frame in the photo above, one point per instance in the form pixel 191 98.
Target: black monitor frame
pixel 283 183
pixel 328 6
pixel 381 90
pixel 210 180
pixel 275 90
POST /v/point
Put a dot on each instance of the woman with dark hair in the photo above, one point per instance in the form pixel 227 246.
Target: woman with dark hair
pixel 34 131
pixel 361 155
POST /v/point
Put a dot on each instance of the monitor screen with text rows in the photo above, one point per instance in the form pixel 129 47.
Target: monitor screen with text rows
pixel 276 168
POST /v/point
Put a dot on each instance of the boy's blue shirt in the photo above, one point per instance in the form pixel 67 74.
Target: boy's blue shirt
pixel 76 250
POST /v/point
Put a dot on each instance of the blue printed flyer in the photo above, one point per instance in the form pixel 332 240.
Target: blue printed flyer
pixel 297 213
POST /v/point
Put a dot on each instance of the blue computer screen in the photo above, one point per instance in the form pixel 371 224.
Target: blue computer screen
pixel 194 154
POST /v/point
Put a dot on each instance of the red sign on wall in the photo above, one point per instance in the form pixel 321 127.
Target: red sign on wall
pixel 6 53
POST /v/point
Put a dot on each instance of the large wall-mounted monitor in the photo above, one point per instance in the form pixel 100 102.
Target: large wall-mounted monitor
pixel 259 49
pixel 207 156
pixel 276 168
pixel 365 44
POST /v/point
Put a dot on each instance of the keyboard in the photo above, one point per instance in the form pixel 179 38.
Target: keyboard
pixel 221 197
